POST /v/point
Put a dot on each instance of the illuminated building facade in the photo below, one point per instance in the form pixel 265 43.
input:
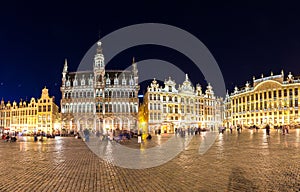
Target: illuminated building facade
pixel 273 100
pixel 35 116
pixel 99 99
pixel 167 108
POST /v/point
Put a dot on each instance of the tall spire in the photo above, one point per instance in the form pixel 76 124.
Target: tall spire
pixel 64 73
pixel 135 71
pixel 65 66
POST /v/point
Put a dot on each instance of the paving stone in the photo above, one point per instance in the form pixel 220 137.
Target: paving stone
pixel 248 161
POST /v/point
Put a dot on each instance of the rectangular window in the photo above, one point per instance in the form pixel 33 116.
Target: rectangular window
pixel 260 96
pixel 279 93
pixel 285 93
pixel 296 91
pixel 151 116
pixel 274 94
pixel 106 107
pixel 291 92
pixel 164 108
pixel 265 105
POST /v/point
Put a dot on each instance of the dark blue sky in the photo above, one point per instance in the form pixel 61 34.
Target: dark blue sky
pixel 246 38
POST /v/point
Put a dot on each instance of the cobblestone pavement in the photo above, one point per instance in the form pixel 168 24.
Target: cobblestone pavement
pixel 236 162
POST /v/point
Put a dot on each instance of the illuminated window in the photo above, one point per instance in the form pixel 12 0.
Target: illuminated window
pixel 285 93
pixel 290 92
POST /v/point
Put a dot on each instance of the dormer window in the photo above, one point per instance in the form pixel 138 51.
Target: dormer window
pixel 75 83
pixel 116 80
pixel 107 80
pixel 124 80
pixel 82 81
pixel 131 83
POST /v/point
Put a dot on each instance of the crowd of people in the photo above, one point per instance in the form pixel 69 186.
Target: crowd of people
pixel 283 129
pixel 9 137
pixel 188 131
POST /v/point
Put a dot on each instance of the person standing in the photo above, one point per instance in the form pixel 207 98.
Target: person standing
pixel 287 129
pixel 238 129
pixel 283 129
pixel 268 130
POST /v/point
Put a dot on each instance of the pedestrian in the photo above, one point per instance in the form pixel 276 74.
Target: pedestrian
pixel 287 129
pixel 268 130
pixel 256 127
pixel 231 129
pixel 238 128
pixel 149 137
pixel 35 137
pixel 111 135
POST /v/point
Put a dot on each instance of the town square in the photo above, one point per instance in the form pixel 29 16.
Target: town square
pixel 149 96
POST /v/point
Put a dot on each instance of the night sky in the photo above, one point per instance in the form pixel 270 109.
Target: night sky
pixel 245 38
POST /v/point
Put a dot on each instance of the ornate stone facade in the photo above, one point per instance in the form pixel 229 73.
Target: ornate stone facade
pixel 168 107
pixel 39 115
pixel 273 100
pixel 99 99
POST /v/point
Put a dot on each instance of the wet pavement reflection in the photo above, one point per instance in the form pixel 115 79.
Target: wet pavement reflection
pixel 249 161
